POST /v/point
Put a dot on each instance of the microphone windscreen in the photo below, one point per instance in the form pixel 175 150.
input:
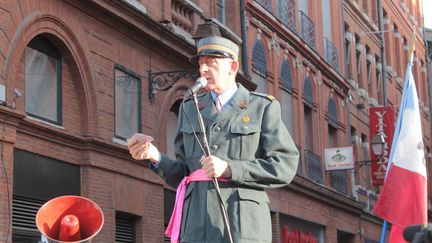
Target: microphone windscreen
pixel 202 81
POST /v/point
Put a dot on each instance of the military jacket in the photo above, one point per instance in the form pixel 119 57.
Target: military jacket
pixel 250 135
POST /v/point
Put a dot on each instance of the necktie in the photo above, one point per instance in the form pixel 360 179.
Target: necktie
pixel 218 104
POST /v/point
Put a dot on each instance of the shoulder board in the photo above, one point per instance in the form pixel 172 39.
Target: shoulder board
pixel 269 97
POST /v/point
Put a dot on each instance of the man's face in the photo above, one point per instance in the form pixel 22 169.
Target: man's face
pixel 219 72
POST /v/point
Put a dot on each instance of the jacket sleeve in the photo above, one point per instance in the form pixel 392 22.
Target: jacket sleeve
pixel 172 171
pixel 277 160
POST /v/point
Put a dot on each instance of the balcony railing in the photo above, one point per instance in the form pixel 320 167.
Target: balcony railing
pixel 331 54
pixel 307 30
pixel 286 13
pixel 267 4
pixel 182 15
pixel 338 181
pixel 314 167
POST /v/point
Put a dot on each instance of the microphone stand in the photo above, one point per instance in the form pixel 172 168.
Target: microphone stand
pixel 215 181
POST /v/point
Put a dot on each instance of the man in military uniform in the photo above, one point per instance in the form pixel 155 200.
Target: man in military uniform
pixel 251 150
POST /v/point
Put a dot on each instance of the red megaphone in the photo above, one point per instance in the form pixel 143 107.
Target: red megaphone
pixel 69 219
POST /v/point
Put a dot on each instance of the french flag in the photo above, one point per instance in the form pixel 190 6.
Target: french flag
pixel 403 199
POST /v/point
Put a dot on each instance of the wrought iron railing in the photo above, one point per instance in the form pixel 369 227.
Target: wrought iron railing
pixel 286 13
pixel 338 181
pixel 267 4
pixel 331 54
pixel 300 164
pixel 314 167
pixel 307 30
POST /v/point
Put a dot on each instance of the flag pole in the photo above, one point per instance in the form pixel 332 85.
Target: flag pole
pixel 410 61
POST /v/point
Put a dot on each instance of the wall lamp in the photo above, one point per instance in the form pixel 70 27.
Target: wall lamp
pixel 378 147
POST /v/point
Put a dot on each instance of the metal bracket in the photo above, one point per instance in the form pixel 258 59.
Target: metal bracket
pixel 165 80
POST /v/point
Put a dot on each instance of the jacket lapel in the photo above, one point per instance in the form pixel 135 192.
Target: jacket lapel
pixel 235 106
pixel 209 110
pixel 239 102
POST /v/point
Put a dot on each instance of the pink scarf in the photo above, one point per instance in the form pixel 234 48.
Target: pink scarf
pixel 173 229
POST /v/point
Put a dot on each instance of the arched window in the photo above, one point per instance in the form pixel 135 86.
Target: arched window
pixel 259 66
pixel 338 178
pixel 332 113
pixel 43 80
pixel 286 96
pixel 286 76
pixel 308 122
pixel 171 123
pixel 313 161
pixel 308 92
pixel 172 128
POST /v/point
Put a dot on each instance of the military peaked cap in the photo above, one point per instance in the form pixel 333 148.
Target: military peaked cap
pixel 216 46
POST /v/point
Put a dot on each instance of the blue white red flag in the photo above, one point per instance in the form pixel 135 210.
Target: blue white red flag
pixel 403 199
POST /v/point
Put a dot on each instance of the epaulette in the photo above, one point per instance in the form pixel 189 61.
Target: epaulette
pixel 269 97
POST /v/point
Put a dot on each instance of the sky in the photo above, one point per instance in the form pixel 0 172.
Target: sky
pixel 427 6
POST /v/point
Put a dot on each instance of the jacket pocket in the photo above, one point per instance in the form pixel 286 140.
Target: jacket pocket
pixel 244 141
pixel 254 218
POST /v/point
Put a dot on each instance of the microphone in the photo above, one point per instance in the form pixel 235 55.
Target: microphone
pixel 425 231
pixel 200 83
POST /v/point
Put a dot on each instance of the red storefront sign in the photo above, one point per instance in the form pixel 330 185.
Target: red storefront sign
pixel 296 236
pixel 381 122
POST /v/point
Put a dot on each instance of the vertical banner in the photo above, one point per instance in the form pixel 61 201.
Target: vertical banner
pixel 381 122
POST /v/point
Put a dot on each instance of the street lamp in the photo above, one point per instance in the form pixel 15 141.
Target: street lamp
pixel 378 144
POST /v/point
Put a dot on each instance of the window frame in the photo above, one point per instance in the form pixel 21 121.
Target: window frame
pixel 221 11
pixel 139 97
pixel 45 46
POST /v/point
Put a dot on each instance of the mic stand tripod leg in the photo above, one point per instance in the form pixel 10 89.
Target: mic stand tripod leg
pixel 215 181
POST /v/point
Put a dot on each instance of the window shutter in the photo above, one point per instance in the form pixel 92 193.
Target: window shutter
pixel 308 93
pixel 259 63
pixel 286 76
pixel 332 113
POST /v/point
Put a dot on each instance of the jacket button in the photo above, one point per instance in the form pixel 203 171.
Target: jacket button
pixel 214 147
pixel 217 129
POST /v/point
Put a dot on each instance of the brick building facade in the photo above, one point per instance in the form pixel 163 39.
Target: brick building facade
pixel 80 77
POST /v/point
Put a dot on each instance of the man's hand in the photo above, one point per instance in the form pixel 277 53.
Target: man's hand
pixel 215 167
pixel 141 148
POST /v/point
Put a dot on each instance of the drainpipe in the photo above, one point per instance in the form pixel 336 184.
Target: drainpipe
pixel 244 54
pixel 428 67
pixel 383 58
pixel 384 78
pixel 348 103
pixel 428 70
pixel 429 79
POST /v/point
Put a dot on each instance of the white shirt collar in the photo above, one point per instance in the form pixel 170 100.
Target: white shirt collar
pixel 226 96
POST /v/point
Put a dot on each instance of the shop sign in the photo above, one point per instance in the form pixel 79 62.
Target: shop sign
pixel 297 236
pixel 381 122
pixel 341 158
